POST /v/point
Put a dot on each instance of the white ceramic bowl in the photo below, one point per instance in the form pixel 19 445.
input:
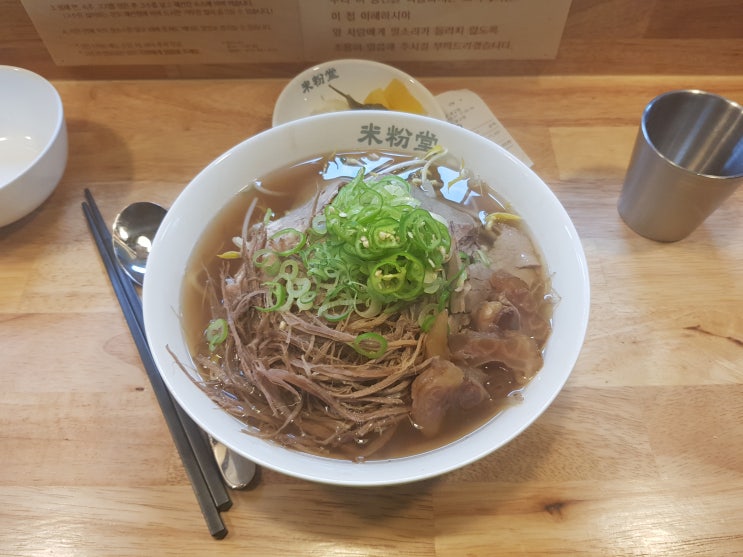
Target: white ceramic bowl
pixel 309 92
pixel 213 187
pixel 33 142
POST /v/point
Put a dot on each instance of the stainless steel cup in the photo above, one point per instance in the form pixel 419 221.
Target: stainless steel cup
pixel 687 159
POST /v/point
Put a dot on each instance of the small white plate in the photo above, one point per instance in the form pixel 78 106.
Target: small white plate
pixel 309 92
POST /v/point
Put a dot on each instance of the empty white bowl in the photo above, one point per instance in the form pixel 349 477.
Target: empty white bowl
pixel 309 93
pixel 299 140
pixel 33 142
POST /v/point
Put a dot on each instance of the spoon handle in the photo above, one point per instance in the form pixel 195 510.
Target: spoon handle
pixel 236 470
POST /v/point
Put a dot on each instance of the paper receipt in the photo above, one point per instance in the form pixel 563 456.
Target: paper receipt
pixel 467 109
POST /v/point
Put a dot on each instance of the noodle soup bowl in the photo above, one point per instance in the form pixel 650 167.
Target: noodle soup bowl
pixel 212 189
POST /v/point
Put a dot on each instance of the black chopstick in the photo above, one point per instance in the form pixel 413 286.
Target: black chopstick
pixel 190 463
pixel 200 444
pixel 171 411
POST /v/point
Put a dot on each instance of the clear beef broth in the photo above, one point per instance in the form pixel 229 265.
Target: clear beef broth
pixel 296 185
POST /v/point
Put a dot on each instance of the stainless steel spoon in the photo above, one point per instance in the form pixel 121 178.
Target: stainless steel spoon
pixel 134 230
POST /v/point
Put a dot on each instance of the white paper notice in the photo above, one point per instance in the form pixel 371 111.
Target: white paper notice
pixel 265 31
pixel 468 110
pixel 167 31
pixel 434 30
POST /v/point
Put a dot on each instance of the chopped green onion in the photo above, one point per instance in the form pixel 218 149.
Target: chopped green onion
pixel 298 286
pixel 268 216
pixel 427 322
pixel 319 225
pixel 367 307
pixel 267 260
pixel 371 250
pixel 289 269
pixel 481 257
pixel 427 316
pixel 276 297
pixel 326 310
pixel 306 300
pixel 216 333
pixel 290 236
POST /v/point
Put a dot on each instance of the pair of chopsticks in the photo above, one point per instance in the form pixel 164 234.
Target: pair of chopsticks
pixel 192 443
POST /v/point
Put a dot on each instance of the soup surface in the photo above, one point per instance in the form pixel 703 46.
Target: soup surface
pixel 366 305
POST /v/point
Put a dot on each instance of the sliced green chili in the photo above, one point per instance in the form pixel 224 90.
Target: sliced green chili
pixel 371 345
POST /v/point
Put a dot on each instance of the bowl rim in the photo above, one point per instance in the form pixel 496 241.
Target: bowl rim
pixel 288 91
pixel 376 472
pixel 59 120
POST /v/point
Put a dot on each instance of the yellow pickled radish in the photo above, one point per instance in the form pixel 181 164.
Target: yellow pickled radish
pixel 377 97
pixel 395 97
pixel 400 98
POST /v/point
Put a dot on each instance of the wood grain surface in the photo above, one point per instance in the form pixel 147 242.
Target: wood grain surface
pixel 640 455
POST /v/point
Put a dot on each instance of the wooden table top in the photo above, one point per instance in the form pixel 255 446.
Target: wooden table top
pixel 641 454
